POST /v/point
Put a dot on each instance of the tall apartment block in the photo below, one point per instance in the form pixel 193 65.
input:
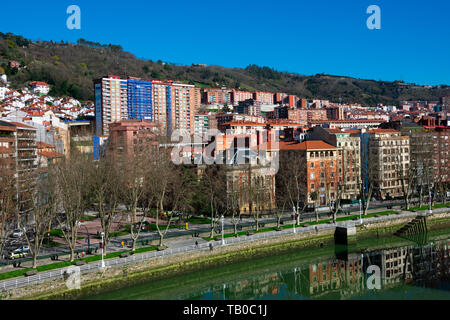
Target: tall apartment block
pixel 170 104
pixel 111 102
pixel 186 101
pixel 139 93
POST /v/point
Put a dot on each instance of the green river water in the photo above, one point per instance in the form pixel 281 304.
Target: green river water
pixel 408 269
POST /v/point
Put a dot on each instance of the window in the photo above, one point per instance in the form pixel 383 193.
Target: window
pixel 312 176
pixel 312 165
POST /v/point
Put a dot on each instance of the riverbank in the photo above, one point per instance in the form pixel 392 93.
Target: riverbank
pixel 165 267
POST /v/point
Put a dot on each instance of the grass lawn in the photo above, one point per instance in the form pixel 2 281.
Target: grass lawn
pixel 425 207
pixel 290 226
pixel 63 264
pixel 199 220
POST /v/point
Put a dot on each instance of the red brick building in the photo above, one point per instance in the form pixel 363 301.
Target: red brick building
pixel 263 97
pixel 238 96
pixel 319 162
pixel 219 96
pixel 129 137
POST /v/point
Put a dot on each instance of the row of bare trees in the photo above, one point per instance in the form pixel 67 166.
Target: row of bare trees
pixel 147 183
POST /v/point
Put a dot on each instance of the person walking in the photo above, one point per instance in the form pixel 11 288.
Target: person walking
pixel 196 244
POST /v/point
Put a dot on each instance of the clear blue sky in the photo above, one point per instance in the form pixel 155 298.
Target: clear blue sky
pixel 301 36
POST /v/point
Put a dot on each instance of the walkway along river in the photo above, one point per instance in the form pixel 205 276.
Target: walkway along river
pixel 134 270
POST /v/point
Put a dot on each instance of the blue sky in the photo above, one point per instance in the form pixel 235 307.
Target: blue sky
pixel 306 37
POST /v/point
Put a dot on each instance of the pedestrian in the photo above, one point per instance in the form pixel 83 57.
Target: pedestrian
pixel 210 246
pixel 196 244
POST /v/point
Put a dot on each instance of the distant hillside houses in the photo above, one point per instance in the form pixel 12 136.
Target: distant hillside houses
pixel 40 88
pixel 34 101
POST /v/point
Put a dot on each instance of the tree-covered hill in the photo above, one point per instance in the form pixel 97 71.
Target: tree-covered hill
pixel 70 69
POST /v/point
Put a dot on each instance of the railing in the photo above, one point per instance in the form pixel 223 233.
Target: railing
pixel 92 267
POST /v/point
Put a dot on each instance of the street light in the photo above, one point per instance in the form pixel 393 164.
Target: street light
pixel 293 208
pixel 103 244
pixel 430 208
pixel 360 211
pixel 223 238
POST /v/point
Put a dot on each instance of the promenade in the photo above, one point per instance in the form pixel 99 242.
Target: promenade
pixel 185 245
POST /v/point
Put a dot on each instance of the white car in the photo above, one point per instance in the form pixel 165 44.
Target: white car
pixel 17 233
pixel 22 249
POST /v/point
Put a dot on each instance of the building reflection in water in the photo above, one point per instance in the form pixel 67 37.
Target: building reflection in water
pixel 342 277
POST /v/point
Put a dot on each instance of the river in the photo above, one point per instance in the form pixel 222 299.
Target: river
pixel 388 268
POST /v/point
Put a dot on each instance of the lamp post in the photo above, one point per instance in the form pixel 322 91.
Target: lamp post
pixel 294 213
pixel 103 244
pixel 360 211
pixel 223 238
pixel 430 206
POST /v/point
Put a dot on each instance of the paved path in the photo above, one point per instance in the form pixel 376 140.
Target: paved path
pixel 174 238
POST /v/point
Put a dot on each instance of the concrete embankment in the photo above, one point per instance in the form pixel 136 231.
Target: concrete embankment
pixel 118 277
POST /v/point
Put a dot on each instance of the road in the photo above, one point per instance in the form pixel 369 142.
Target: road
pixel 246 223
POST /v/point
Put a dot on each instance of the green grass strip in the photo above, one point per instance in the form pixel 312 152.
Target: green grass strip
pixel 63 264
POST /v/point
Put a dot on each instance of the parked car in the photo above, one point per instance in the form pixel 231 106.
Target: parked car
pixel 17 233
pixel 17 255
pixel 22 249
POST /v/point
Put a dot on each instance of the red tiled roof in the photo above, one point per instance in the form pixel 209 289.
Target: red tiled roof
pixel 305 145
pixel 383 131
pixel 244 123
pixel 48 154
pixel 43 145
pixel 21 125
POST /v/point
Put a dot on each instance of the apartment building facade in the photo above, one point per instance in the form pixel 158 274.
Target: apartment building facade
pixel 219 96
pixel 318 160
pixel 168 103
pixel 132 138
pixel 111 102
pixel 238 96
pixel 263 97
pixel 349 158
pixel 389 162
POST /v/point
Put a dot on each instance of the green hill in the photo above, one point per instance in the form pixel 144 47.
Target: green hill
pixel 70 69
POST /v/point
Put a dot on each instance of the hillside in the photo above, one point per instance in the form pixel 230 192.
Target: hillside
pixel 70 69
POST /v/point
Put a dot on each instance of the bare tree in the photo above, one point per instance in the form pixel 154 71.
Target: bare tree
pixel 213 182
pixel 335 189
pixel 44 202
pixel 71 176
pixel 291 182
pixel 133 189
pixel 366 180
pixel 421 161
pixel 168 186
pixel 234 208
pixel 105 181
pixel 407 176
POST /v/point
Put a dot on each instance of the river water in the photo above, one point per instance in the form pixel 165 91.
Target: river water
pixel 388 268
